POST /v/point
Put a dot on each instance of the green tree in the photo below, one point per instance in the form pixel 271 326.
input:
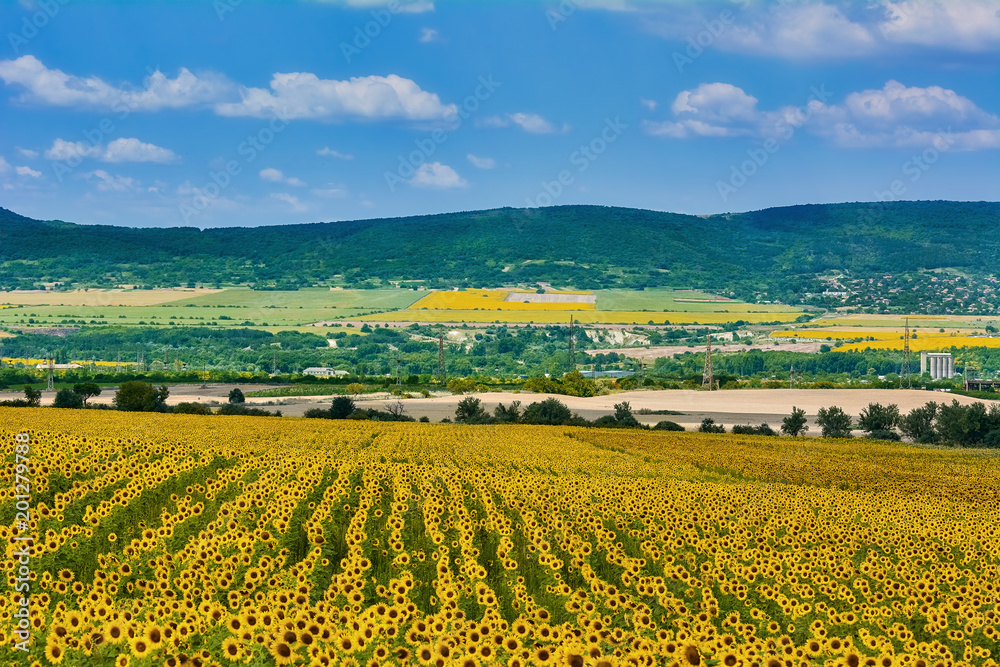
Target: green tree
pixel 507 415
pixel 137 396
pixel 879 418
pixel 795 424
pixel 470 411
pixel 918 425
pixel 835 422
pixel 32 396
pixel 624 416
pixel 236 396
pixel 342 407
pixel 550 411
pixel 708 425
pixel 86 391
pixel 67 398
pixel 355 388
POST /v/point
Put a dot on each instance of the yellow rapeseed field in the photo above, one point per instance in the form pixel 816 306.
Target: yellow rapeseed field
pixel 184 540
pixel 493 300
pixel 924 343
pixel 843 334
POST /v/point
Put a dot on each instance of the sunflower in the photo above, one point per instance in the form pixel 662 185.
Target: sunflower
pixel 140 647
pixel 231 649
pixel 282 653
pixel 54 652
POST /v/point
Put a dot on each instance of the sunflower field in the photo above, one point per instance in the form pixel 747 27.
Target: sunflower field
pixel 160 539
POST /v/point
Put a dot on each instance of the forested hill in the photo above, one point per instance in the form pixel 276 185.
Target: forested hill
pixel 582 246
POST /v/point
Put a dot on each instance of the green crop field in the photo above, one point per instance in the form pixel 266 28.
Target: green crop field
pixel 234 307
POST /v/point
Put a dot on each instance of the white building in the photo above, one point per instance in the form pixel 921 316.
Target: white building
pixel 57 367
pixel 319 371
pixel 939 364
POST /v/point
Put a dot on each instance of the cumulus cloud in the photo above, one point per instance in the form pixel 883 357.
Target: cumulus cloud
pixel 894 116
pixel 529 122
pixel 428 35
pixel 28 171
pixel 112 183
pixel 53 87
pixel 304 95
pixel 834 29
pixel 4 165
pixel 328 152
pixel 290 95
pixel 276 176
pixel 291 200
pixel 27 152
pixel 119 150
pixel 481 162
pixel 438 176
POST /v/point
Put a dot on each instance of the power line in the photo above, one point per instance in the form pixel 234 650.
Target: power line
pixel 708 376
pixel 904 368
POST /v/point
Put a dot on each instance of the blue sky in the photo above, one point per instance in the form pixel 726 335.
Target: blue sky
pixel 245 113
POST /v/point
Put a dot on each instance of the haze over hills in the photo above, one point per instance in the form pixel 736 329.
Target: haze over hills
pixel 780 250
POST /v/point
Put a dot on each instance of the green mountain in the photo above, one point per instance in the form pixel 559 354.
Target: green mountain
pixel 779 250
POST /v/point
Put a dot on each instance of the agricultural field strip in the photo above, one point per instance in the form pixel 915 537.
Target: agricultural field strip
pixel 581 316
pixel 643 544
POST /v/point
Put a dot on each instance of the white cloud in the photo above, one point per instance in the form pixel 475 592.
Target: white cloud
pixel 291 200
pixel 834 29
pixel 438 176
pixel 428 35
pixel 28 153
pixel 970 25
pixel 710 110
pixel 481 162
pixel 649 104
pixel 291 95
pixel 328 152
pixel 133 150
pixel 276 176
pixel 54 87
pixel 110 183
pixel 529 122
pixel 4 165
pixel 894 116
pixel 800 31
pixel 28 171
pixel 331 191
pixel 119 150
pixel 304 95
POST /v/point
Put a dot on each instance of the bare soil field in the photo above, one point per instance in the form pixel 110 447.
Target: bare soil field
pixel 650 353
pixel 103 297
pixel 741 406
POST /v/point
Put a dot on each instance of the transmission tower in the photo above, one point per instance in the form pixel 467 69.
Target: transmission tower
pixel 52 382
pixel 791 378
pixel 441 374
pixel 904 368
pixel 572 356
pixel 708 377
pixel 118 364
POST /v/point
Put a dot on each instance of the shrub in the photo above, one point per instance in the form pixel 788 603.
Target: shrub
pixel 668 426
pixel 67 398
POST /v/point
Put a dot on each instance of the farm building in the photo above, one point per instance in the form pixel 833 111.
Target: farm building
pixel 319 371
